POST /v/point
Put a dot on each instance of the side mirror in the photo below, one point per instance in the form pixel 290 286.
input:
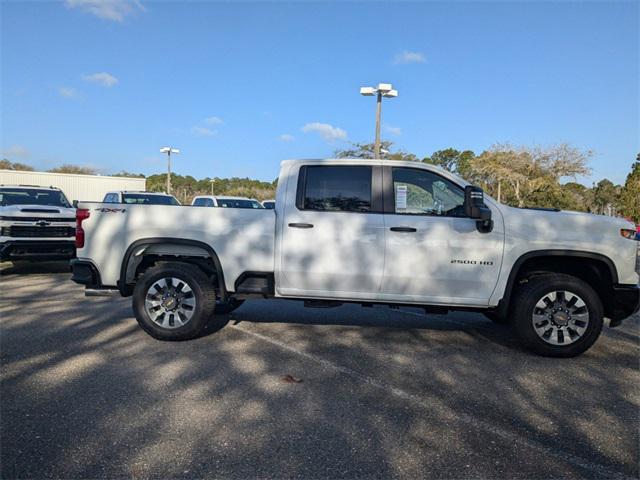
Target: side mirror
pixel 475 208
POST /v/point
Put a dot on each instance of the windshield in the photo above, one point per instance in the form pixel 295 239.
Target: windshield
pixel 144 199
pixel 235 203
pixel 33 196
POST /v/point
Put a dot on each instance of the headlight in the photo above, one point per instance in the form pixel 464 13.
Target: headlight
pixel 628 233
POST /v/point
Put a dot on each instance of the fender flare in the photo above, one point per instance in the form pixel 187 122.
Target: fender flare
pixel 513 274
pixel 125 287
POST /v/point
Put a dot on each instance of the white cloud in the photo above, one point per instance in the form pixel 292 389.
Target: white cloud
pixel 405 57
pixel 286 137
pixel 114 10
pixel 213 121
pixel 67 92
pixel 393 130
pixel 203 131
pixel 103 79
pixel 16 151
pixel 326 131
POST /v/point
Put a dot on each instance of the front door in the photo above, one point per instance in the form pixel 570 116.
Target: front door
pixel 433 253
pixel 333 233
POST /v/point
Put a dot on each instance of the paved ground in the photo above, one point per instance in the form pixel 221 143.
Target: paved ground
pixel 86 394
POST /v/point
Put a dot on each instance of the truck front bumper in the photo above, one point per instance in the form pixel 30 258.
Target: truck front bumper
pixel 626 302
pixel 37 250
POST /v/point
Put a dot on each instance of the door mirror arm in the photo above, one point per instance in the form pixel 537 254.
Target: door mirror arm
pixel 475 208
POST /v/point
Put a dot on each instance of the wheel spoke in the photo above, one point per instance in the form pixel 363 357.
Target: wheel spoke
pixel 560 317
pixel 170 302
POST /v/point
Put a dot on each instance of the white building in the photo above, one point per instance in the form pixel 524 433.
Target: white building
pixel 75 187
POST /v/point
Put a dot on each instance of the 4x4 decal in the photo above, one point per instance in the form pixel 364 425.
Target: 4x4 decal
pixel 111 210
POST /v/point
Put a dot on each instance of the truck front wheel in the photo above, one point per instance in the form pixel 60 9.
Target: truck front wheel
pixel 174 301
pixel 557 315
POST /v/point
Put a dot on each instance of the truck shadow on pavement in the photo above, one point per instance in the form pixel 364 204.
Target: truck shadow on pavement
pixel 382 317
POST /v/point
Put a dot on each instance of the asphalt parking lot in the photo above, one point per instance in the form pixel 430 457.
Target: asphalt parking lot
pixel 372 393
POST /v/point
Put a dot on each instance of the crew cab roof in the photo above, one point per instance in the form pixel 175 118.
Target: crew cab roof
pixel 382 162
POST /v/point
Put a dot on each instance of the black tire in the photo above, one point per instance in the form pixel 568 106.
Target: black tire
pixel 203 292
pixel 497 318
pixel 523 305
pixel 224 308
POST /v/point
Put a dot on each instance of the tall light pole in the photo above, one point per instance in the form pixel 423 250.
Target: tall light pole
pixel 169 151
pixel 382 90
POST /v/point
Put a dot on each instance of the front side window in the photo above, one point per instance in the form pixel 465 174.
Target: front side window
pixel 33 196
pixel 337 188
pixel 421 192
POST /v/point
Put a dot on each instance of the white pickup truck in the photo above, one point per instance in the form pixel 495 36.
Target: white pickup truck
pixel 366 231
pixel 36 224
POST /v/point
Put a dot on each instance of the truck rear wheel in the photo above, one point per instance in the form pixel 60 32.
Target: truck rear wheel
pixel 174 301
pixel 557 315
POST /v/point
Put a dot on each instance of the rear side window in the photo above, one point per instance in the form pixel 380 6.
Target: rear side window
pixel 335 188
pixel 238 203
pixel 143 199
pixel 203 202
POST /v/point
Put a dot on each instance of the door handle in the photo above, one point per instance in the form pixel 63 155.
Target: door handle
pixel 403 229
pixel 301 225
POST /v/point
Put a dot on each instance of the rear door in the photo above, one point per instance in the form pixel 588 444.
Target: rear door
pixel 332 237
pixel 434 253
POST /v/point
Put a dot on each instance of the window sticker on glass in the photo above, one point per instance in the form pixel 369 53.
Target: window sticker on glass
pixel 401 197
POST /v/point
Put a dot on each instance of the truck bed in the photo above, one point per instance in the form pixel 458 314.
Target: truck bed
pixel 242 238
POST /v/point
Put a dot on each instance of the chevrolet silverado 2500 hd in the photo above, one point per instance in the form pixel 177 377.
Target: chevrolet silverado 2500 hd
pixel 366 231
pixel 36 223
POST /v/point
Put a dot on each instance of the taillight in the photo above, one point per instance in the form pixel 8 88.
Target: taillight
pixel 81 214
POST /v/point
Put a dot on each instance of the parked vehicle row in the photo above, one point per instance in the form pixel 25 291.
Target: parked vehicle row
pixel 367 231
pixel 39 223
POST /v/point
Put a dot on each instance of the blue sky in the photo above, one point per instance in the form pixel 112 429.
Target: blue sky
pixel 238 87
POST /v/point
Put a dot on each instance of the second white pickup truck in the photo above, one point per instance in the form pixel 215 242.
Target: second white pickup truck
pixel 366 231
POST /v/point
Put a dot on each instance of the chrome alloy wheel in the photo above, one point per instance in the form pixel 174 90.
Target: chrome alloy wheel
pixel 560 318
pixel 170 303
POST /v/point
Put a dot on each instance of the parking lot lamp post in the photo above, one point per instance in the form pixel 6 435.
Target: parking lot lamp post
pixel 169 151
pixel 382 90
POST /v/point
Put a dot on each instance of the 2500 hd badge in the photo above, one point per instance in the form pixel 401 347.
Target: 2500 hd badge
pixel 472 262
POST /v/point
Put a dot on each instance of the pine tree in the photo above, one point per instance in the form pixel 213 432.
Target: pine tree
pixel 630 194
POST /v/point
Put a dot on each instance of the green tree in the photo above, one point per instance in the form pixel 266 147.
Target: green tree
pixel 452 160
pixel 629 199
pixel 605 196
pixel 7 165
pixel 77 169
pixel 366 151
pixel 524 176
